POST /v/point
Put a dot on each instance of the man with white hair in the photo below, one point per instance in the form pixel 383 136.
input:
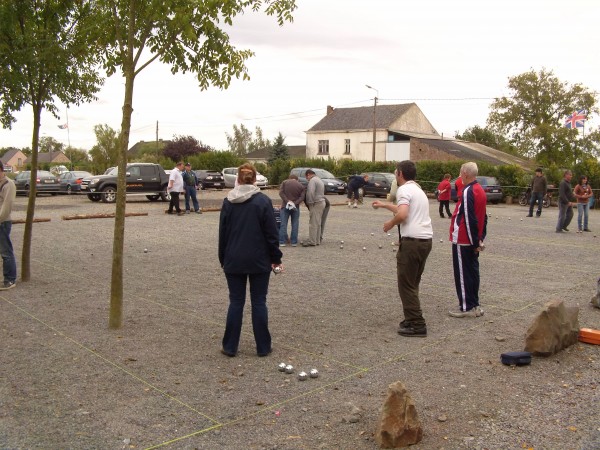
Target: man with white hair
pixel 467 233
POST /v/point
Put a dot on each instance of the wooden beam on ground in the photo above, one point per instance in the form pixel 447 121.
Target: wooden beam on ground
pixel 99 216
pixel 36 219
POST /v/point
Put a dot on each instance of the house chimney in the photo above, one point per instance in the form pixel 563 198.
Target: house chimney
pixel 329 109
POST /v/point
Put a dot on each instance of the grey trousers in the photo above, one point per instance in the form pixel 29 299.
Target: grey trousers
pixel 314 224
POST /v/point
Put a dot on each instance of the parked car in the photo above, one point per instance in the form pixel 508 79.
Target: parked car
pixel 332 184
pixel 490 185
pixel 70 182
pixel 46 183
pixel 379 184
pixel 230 175
pixel 210 179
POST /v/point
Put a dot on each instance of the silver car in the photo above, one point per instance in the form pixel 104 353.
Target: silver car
pixel 230 177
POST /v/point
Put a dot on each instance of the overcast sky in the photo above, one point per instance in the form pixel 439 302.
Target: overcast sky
pixel 449 57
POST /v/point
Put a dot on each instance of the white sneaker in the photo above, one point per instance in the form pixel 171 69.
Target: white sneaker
pixel 475 312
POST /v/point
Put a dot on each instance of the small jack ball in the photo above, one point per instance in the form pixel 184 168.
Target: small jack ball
pixel 341 246
pixel 364 248
pixel 145 250
pixel 372 234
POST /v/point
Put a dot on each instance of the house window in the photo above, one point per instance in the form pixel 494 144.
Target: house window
pixel 347 146
pixel 324 147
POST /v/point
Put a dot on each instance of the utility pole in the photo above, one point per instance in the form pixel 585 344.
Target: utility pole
pixel 157 152
pixel 374 119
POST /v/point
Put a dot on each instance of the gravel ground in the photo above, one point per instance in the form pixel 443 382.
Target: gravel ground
pixel 66 381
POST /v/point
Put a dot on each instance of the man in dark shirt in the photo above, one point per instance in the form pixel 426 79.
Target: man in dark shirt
pixel 354 183
pixel 292 194
pixel 539 186
pixel 565 198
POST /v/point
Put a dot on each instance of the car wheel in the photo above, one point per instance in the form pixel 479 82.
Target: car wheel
pixel 109 194
pixel 165 196
pixel 69 189
pixel 94 197
pixel 152 198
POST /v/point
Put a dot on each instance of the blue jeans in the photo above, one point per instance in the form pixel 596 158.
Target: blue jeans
pixel 259 286
pixel 582 210
pixel 565 215
pixel 295 216
pixel 9 264
pixel 190 191
pixel 539 197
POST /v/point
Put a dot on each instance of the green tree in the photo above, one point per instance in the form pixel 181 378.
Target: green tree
pixel 48 145
pixel 188 36
pixel 487 137
pixel 532 118
pixel 105 153
pixel 242 141
pixel 279 150
pixel 78 157
pixel 46 55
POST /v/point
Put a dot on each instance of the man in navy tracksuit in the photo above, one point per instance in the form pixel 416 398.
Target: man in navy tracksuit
pixel 467 233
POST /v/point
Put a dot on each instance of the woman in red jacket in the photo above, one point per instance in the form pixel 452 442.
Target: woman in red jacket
pixel 444 189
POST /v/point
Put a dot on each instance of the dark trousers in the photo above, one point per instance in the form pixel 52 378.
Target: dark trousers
pixel 446 204
pixel 466 275
pixel 565 215
pixel 410 263
pixel 174 202
pixel 259 286
pixel 536 197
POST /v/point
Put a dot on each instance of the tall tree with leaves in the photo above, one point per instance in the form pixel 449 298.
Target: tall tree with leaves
pixel 105 153
pixel 533 117
pixel 243 141
pixel 279 150
pixel 487 137
pixel 46 55
pixel 188 36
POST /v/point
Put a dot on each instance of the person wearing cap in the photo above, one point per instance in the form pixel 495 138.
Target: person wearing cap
pixel 315 200
pixel 190 182
pixel 248 252
pixel 174 188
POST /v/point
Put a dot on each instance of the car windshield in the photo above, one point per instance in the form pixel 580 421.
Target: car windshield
pixel 323 173
pixel 114 171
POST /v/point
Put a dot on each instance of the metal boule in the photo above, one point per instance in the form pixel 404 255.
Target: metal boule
pixel 289 369
pixel 302 376
pixel 281 367
pixel 314 373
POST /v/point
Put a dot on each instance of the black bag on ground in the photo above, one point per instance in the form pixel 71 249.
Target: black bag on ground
pixel 516 358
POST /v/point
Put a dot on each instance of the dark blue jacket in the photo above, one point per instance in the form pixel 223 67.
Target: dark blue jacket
pixel 248 236
pixel 356 181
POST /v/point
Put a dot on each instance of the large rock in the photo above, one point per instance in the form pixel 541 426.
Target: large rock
pixel 555 328
pixel 399 425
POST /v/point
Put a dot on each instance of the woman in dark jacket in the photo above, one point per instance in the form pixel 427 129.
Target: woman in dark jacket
pixel 248 250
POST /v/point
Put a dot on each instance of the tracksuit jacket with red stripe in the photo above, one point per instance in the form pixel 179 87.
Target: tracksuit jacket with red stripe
pixel 469 221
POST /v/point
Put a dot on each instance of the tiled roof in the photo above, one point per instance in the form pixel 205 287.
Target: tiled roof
pixel 9 154
pixel 361 118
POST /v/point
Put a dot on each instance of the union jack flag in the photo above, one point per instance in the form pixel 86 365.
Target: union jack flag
pixel 63 126
pixel 576 120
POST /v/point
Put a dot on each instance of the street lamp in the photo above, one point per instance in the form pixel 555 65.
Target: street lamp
pixel 374 117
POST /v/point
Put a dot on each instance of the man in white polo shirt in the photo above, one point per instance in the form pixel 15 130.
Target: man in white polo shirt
pixel 412 214
pixel 174 188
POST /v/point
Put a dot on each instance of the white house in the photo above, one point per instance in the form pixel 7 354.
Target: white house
pixel 348 132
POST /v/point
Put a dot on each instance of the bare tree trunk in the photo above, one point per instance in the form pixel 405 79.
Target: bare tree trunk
pixel 116 287
pixel 27 234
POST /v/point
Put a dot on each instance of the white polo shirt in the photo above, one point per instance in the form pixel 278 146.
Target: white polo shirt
pixel 418 223
pixel 177 180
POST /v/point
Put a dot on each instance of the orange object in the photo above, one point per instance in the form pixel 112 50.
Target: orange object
pixel 589 336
